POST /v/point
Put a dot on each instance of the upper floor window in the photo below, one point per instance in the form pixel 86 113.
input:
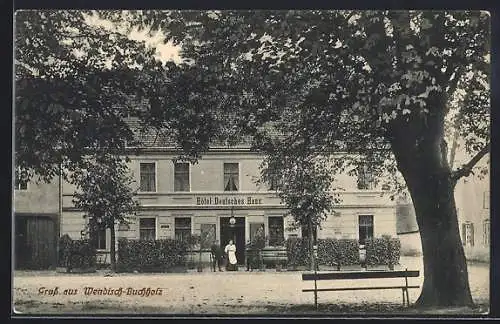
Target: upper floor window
pixel 181 177
pixel 20 184
pixel 148 177
pixel 273 182
pixel 231 177
pixel 365 177
pixel 147 228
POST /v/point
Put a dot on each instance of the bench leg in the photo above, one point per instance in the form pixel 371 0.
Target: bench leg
pixel 403 291
pixel 315 295
pixel 407 298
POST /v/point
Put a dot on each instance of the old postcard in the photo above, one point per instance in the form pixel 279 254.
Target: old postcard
pixel 251 163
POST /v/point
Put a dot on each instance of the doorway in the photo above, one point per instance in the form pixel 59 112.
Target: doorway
pixel 34 242
pixel 236 233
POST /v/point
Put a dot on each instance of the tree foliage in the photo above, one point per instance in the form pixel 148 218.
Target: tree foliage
pixel 363 77
pixel 105 191
pixel 380 84
pixel 76 85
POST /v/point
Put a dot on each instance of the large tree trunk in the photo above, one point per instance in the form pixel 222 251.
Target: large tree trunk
pixel 427 174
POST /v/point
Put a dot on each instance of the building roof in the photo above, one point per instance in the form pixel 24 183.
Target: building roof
pixel 152 137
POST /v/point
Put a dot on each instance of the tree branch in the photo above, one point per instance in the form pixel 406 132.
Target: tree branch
pixel 466 169
pixel 453 84
pixel 395 17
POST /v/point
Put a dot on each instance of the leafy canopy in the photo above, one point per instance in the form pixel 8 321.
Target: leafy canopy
pixel 105 192
pixel 370 82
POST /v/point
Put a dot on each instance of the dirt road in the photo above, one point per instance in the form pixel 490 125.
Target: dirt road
pixel 206 292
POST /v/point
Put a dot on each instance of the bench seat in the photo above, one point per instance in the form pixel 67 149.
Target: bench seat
pixel 355 275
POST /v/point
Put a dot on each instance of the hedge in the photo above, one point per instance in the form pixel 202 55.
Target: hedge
pixel 150 256
pixel 344 251
pixel 384 250
pixel 76 254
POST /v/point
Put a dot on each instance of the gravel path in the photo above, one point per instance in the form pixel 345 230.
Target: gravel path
pixel 206 292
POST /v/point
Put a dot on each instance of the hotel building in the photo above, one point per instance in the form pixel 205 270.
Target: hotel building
pixel 181 199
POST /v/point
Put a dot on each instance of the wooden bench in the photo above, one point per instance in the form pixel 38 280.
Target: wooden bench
pixel 354 275
pixel 274 256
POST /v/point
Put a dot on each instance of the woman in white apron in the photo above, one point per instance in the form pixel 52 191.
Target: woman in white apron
pixel 230 251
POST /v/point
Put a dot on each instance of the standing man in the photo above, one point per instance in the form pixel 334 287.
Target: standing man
pixel 216 252
pixel 249 255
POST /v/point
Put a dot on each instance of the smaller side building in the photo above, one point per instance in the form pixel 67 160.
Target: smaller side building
pixel 472 195
pixel 36 215
pixel 407 227
pixel 472 199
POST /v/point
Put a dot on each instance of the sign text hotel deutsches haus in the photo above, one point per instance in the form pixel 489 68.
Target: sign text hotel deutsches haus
pixel 228 201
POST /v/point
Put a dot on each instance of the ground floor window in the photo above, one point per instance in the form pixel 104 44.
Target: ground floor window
pixel 182 228
pixel 486 232
pixel 305 232
pixel 276 233
pixel 207 235
pixel 365 228
pixel 100 240
pixel 255 230
pixel 147 228
pixel 468 234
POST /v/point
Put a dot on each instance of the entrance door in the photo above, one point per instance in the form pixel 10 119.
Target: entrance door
pixel 35 242
pixel 22 253
pixel 236 233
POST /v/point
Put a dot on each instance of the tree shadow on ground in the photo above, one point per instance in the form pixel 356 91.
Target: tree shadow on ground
pixel 329 310
pixel 367 309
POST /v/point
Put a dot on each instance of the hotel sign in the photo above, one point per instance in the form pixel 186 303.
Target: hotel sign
pixel 228 201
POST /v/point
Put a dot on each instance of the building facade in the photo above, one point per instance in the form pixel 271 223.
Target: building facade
pixel 472 199
pixel 36 216
pixel 472 196
pixel 181 199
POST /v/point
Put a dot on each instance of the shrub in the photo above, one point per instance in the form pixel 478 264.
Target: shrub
pixel 150 256
pixel 411 252
pixel 64 250
pixel 474 254
pixel 297 250
pixel 384 250
pixel 254 249
pixel 76 254
pixel 330 251
pixel 379 251
pixel 83 254
pixel 343 251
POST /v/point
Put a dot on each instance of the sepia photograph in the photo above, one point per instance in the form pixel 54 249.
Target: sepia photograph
pixel 266 163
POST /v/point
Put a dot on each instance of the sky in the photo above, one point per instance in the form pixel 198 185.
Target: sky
pixel 164 51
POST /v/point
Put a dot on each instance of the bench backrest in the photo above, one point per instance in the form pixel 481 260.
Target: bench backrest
pixel 360 275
